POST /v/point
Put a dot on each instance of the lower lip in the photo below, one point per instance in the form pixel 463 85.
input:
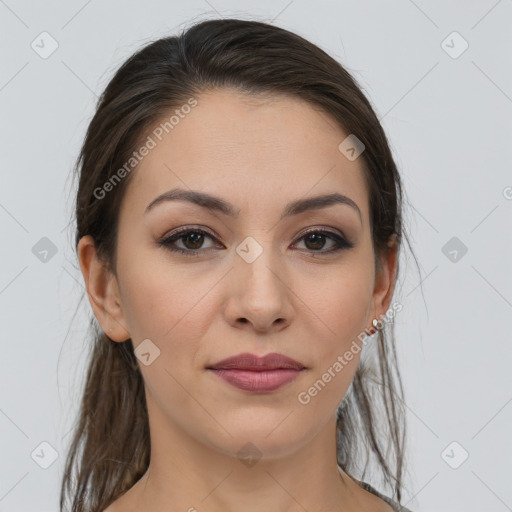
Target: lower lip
pixel 258 381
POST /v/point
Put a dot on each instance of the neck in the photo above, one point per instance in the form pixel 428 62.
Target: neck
pixel 190 475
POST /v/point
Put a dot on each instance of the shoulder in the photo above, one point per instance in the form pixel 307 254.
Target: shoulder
pixel 395 507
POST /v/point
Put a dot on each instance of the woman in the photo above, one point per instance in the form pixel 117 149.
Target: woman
pixel 238 229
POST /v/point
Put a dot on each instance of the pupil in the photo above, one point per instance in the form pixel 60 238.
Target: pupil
pixel 319 238
pixel 197 243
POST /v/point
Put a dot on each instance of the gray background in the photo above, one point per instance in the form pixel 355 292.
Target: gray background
pixel 448 117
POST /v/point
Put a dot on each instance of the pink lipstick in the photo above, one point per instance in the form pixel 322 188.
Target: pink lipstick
pixel 250 372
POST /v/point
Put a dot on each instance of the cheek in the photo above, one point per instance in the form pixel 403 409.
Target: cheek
pixel 157 297
pixel 171 307
pixel 342 308
pixel 340 300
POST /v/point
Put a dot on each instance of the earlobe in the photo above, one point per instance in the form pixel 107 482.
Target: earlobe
pixel 102 290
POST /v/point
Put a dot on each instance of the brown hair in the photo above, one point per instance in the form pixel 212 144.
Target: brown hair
pixel 110 449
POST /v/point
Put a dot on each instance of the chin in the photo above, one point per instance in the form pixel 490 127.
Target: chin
pixel 255 440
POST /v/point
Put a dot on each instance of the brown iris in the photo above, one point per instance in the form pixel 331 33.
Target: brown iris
pixel 318 241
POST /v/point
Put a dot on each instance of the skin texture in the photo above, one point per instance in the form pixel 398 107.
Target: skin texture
pixel 259 154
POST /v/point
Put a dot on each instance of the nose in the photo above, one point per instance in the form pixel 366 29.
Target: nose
pixel 259 297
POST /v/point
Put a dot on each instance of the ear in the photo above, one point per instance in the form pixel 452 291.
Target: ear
pixel 385 281
pixel 102 290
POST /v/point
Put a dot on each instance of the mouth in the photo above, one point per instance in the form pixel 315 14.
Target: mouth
pixel 252 362
pixel 250 372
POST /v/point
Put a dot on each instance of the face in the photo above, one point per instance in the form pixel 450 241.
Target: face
pixel 251 275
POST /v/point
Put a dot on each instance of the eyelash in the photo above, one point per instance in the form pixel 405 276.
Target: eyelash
pixel 167 241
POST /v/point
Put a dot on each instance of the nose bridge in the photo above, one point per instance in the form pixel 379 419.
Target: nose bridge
pixel 257 261
pixel 261 296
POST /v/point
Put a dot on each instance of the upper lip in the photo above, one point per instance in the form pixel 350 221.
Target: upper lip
pixel 253 362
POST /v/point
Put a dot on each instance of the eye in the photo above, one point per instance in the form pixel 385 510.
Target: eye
pixel 192 241
pixel 316 240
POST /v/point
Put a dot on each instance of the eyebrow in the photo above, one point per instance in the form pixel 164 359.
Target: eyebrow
pixel 216 204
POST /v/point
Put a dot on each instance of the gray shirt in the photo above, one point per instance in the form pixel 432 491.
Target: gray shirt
pixel 394 504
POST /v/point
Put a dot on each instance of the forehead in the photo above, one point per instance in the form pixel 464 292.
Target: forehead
pixel 255 150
